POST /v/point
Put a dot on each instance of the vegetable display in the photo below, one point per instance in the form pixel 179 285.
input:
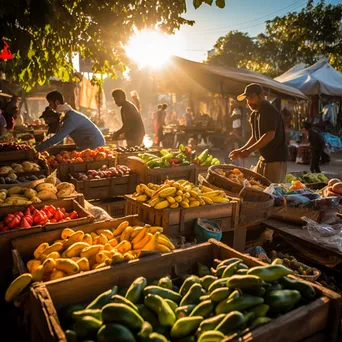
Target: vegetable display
pixel 222 301
pixel 32 217
pixel 9 147
pixel 36 192
pixel 334 188
pixel 238 177
pixel 78 252
pixel 100 153
pixel 307 178
pixel 122 149
pixel 103 172
pixel 25 166
pixel 184 156
pixel 174 194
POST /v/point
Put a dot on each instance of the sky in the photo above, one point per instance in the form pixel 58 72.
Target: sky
pixel 242 15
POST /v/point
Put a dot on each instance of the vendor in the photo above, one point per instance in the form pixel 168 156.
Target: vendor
pixel 132 123
pixel 268 136
pixel 74 124
pixel 11 112
pixel 52 120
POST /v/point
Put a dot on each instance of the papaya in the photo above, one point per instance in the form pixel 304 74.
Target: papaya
pixel 120 299
pixel 158 305
pixel 192 296
pixel 135 291
pixel 114 332
pixel 233 321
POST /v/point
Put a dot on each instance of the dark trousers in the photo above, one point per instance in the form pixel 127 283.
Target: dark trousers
pixel 315 159
pixel 160 135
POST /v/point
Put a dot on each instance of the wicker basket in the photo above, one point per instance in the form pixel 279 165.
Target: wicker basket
pixel 248 193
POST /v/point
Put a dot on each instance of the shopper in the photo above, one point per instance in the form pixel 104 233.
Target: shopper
pixel 132 123
pixel 268 136
pixel 317 145
pixel 74 124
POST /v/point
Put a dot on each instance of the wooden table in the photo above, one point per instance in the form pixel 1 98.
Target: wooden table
pixel 300 239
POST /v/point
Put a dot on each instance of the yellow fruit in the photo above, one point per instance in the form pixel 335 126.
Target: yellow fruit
pixel 178 199
pixel 179 193
pixel 121 227
pixel 88 239
pixel 136 253
pixel 76 237
pixel 117 257
pixel 67 265
pixel 170 199
pixel 138 189
pixel 163 248
pixel 140 235
pixel 103 264
pixel 56 247
pixel 93 236
pixel 185 199
pixel 207 200
pixel 212 193
pixel 123 247
pixel 33 264
pixel 66 233
pixel 49 265
pixel 156 193
pixel 90 251
pixel 102 256
pixel 167 192
pixel 191 199
pixel 152 244
pixel 17 286
pixel 37 274
pixel 108 247
pixel 219 199
pixel 83 264
pixel 141 243
pixel 186 195
pixel 94 266
pixel 128 256
pixel 162 205
pixel 194 204
pixel 166 242
pixel 174 205
pixel 109 235
pixel 92 261
pixel 113 242
pixel 205 188
pixel 184 205
pixel 147 190
pixel 53 255
pixel 176 185
pixel 141 198
pixel 40 249
pixel 56 274
pixel 100 240
pixel 75 249
pixel 155 229
pixel 126 234
pixel 75 259
pixel 155 201
pixel 136 231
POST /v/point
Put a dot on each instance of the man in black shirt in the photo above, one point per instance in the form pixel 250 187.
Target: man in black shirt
pixel 132 124
pixel 268 136
pixel 317 144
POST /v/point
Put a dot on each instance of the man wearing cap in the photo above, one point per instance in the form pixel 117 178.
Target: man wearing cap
pixel 74 124
pixel 52 119
pixel 268 136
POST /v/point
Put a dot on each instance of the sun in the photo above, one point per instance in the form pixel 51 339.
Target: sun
pixel 150 48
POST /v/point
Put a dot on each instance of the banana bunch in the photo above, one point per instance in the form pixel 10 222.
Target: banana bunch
pixel 174 194
pixel 79 252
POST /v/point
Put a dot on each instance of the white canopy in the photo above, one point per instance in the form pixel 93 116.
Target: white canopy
pixel 320 78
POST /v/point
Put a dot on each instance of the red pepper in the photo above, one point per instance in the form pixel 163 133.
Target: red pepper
pixel 63 210
pixel 29 219
pixel 53 221
pixel 27 211
pixel 8 218
pixel 14 223
pixel 67 219
pixel 47 212
pixel 32 208
pixel 21 214
pixel 24 223
pixel 73 215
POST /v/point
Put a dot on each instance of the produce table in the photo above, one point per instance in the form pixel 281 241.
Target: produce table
pixel 299 239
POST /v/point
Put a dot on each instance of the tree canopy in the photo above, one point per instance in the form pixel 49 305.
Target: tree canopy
pixel 305 36
pixel 43 34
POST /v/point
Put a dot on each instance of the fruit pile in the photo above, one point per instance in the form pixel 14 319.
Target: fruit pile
pixel 334 188
pixel 79 252
pixel 103 172
pixel 307 178
pixel 291 262
pixel 100 153
pixel 8 147
pixel 32 217
pixel 184 156
pixel 229 300
pixel 25 166
pixel 174 194
pixel 36 192
pixel 238 177
pixel 121 149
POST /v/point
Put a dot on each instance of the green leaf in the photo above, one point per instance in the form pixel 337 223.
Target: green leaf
pixel 197 3
pixel 220 3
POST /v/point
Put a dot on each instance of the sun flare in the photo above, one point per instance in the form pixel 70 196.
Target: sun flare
pixel 151 48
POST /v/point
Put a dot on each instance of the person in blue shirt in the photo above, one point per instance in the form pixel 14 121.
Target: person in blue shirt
pixel 74 124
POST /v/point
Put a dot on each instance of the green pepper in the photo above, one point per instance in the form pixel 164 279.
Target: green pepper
pixel 270 273
pixel 244 282
pixel 242 303
pixel 281 301
pixel 203 156
pixel 305 289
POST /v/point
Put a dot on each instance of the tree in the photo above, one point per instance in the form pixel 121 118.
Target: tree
pixel 296 37
pixel 43 34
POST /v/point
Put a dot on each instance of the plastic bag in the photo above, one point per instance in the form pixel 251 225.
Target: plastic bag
pixel 99 213
pixel 207 229
pixel 329 235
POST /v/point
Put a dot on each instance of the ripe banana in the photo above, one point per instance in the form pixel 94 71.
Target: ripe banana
pixel 174 205
pixel 166 242
pixel 162 205
pixel 140 235
pixel 141 198
pixel 170 191
pixel 155 229
pixel 163 248
pixel 90 251
pixel 141 243
pixel 170 199
pixel 17 286
pixel 121 227
pixel 126 234
pixel 207 200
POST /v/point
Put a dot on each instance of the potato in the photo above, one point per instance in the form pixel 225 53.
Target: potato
pixel 333 181
pixel 337 188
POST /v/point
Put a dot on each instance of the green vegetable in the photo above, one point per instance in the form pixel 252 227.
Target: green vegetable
pixel 233 321
pixel 115 332
pixel 242 303
pixel 244 281
pixel 305 289
pixel 202 270
pixel 282 300
pixel 102 299
pixel 185 326
pixel 270 273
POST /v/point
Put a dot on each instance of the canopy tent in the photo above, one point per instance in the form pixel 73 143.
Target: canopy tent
pixel 320 78
pixel 184 76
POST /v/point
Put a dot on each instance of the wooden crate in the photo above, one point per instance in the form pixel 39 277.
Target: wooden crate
pixel 180 222
pixel 60 148
pixel 158 176
pixel 107 187
pixel 115 207
pixel 64 170
pixel 319 317
pixel 10 156
pixel 22 248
